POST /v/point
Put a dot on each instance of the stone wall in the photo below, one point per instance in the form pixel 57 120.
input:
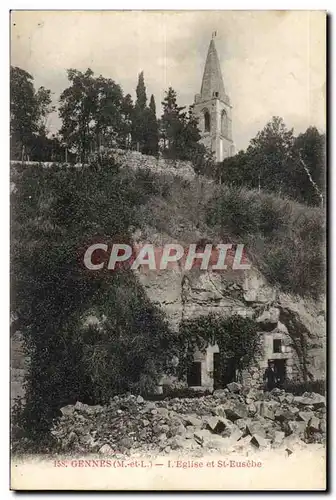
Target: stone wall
pixel 136 160
pixel 131 159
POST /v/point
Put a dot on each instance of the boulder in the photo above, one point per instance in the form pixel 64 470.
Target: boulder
pixel 212 422
pixel 235 435
pixel 293 443
pixel 191 420
pixel 242 423
pixel 305 415
pixel 235 410
pixel 217 424
pixel 252 409
pixel 279 436
pixel 256 428
pixel 162 412
pixel 202 435
pixel 319 401
pixel 282 414
pixel 106 450
pixel 267 411
pixel 177 442
pixel 221 393
pixel 289 398
pixel 234 387
pixel 68 410
pixel 297 428
pixel 323 426
pixel 150 406
pixel 259 441
pixel 314 424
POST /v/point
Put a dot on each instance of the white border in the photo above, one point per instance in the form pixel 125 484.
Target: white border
pixel 4 182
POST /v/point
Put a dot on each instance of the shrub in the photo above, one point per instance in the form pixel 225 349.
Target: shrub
pixel 237 337
pixel 55 214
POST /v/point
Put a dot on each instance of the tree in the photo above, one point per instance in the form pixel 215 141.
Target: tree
pixel 127 113
pixel 308 173
pixel 56 214
pixel 29 110
pixel 180 134
pixel 151 129
pixel 279 162
pixel 270 151
pixel 172 123
pixel 91 110
pixel 140 115
pixel 77 111
pixel 152 105
pixel 145 135
pixel 141 99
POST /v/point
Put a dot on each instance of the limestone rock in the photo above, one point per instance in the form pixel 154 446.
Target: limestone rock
pixel 297 427
pixel 255 427
pixel 306 415
pixel 278 438
pixel 258 441
pixel 235 410
pixel 106 450
pixel 314 424
pixel 234 387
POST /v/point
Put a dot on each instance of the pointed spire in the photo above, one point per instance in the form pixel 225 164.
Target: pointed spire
pixel 212 83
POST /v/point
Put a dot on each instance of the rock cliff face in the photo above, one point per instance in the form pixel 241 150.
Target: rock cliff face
pixel 298 323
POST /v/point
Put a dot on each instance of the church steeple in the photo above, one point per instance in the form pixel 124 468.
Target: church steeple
pixel 212 83
pixel 213 109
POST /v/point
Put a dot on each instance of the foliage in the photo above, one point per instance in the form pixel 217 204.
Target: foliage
pixel 29 110
pixel 277 161
pixel 237 338
pixel 93 113
pixel 144 126
pixel 180 134
pixel 284 239
pixel 54 295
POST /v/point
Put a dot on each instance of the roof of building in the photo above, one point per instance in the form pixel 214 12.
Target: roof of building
pixel 212 83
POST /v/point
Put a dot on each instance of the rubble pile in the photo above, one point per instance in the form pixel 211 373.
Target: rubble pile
pixel 235 419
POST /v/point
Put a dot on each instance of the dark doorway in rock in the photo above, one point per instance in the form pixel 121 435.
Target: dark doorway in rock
pixel 280 370
pixel 194 377
pixel 224 371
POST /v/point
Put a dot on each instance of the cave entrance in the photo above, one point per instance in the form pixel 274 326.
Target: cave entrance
pixel 224 371
pixel 280 370
pixel 194 377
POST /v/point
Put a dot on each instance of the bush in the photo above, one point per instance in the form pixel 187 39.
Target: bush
pixel 56 213
pixel 237 337
pixel 282 238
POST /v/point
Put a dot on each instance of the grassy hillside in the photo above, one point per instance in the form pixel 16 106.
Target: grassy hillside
pixel 285 240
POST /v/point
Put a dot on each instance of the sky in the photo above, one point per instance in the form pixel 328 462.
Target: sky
pixel 273 62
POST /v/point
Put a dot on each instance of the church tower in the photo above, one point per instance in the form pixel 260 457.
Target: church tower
pixel 213 109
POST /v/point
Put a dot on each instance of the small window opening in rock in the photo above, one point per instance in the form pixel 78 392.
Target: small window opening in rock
pixel 277 345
